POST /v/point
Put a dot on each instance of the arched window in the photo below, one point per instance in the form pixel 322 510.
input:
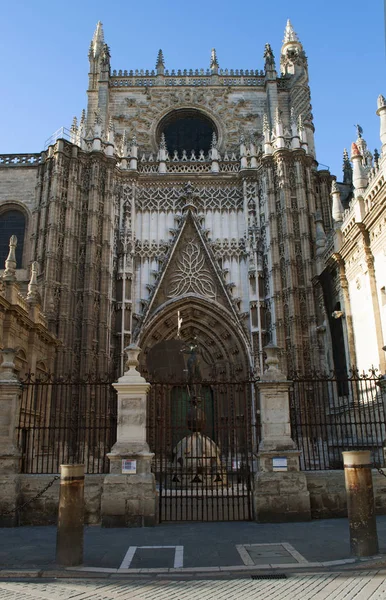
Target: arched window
pixel 187 129
pixel 12 222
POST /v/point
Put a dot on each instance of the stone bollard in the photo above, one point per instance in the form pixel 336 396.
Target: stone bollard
pixel 69 539
pixel 360 503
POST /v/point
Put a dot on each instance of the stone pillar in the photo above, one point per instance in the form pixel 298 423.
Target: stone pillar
pixel 280 489
pixel 360 503
pixel 129 496
pixel 10 393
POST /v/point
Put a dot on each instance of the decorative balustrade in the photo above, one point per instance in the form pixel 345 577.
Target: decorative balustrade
pixel 19 160
pixel 189 163
pixel 192 77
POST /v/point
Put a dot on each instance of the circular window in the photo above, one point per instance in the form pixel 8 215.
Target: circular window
pixel 187 130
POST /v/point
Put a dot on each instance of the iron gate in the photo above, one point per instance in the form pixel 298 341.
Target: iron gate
pixel 204 437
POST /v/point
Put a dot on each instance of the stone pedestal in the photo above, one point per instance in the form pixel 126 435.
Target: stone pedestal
pixel 10 392
pixel 129 497
pixel 280 489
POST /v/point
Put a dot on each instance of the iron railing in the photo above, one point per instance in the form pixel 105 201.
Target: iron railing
pixel 331 413
pixel 64 420
pixel 204 437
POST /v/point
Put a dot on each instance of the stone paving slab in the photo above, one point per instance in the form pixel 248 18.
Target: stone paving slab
pixel 336 586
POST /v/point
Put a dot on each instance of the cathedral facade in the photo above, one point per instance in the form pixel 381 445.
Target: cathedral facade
pixel 190 203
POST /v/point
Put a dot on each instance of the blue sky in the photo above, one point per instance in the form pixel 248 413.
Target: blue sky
pixel 44 66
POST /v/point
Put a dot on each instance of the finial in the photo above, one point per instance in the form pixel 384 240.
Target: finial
pixel 10 263
pixel 214 140
pixel 277 116
pixel 83 117
pixel 359 130
pixel 269 58
pixel 111 124
pixel 381 101
pixel 97 40
pixel 213 61
pixel 134 140
pixel 33 293
pixel 74 126
pixel 289 33
pixel 376 157
pixel 160 64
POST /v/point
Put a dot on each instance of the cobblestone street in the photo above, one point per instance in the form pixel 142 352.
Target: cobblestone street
pixel 339 586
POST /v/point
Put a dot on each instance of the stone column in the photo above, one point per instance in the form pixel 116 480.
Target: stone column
pixel 280 490
pixel 10 393
pixel 129 496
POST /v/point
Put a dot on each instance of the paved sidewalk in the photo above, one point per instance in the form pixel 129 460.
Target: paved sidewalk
pixel 191 547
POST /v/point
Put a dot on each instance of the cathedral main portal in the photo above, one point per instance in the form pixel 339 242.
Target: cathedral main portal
pixel 201 413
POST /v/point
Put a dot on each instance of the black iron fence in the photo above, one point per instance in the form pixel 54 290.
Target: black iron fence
pixel 204 437
pixel 64 420
pixel 330 414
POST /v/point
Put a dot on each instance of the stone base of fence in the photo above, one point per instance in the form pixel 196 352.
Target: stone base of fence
pixel 326 489
pixel 281 497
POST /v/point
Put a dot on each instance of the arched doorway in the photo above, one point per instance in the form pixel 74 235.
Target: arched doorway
pixel 201 411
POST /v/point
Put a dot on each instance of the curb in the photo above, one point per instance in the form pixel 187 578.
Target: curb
pixel 377 561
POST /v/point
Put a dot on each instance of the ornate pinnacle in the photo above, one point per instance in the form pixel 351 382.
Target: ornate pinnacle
pixel 162 144
pixel 293 119
pixel 278 116
pixel 381 101
pixel 10 263
pixel 300 123
pixel 74 126
pixel 213 61
pixel 123 144
pixel 289 33
pixel 214 140
pixel 33 293
pixel 134 140
pixel 83 117
pixel 97 40
pixel 160 60
pixel 266 128
pixel 347 168
pixel 111 124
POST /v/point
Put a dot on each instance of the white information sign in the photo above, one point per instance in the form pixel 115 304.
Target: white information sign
pixel 129 467
pixel 279 464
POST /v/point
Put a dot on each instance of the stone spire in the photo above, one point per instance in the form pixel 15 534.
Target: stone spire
pixel 214 62
pixel 367 157
pixel 347 168
pixel 98 40
pixel 289 33
pixel 160 64
pixel 74 131
pixel 292 56
pixel 10 263
pixel 33 292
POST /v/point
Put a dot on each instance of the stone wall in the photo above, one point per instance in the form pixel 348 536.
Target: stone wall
pixel 326 488
pixel 328 494
pixel 44 511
